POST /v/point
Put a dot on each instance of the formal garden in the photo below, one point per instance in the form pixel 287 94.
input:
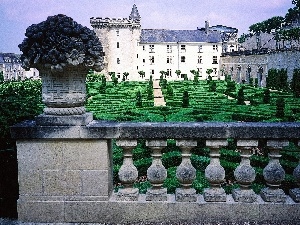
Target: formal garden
pixel 186 101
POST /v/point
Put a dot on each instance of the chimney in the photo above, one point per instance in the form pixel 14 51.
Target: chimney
pixel 206 26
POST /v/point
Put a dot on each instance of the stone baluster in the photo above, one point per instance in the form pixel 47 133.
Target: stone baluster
pixel 128 173
pixel 244 173
pixel 295 193
pixel 186 173
pixel 215 173
pixel 274 173
pixel 156 173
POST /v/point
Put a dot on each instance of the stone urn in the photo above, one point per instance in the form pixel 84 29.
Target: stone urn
pixel 63 51
pixel 64 93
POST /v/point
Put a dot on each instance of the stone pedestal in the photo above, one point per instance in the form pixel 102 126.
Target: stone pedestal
pixel 67 120
pixel 185 195
pixel 273 195
pixel 295 194
pixel 241 195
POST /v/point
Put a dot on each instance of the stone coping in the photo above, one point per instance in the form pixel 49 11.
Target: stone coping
pixel 159 130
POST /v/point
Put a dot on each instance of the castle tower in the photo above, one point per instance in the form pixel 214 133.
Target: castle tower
pixel 119 38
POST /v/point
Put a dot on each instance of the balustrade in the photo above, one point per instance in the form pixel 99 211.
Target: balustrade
pixel 70 173
pixel 244 173
pixel 128 173
pixel 215 173
pixel 186 173
pixel 274 173
pixel 156 173
pixel 295 193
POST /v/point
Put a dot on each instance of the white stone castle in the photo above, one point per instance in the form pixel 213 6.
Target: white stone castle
pixel 146 52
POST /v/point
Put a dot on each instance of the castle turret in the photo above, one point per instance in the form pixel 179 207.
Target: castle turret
pixel 119 38
pixel 134 15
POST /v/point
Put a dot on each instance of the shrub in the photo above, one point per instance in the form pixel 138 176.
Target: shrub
pixel 138 99
pixel 280 106
pixel 185 99
pixel 267 96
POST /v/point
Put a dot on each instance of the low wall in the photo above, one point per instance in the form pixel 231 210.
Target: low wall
pixel 65 173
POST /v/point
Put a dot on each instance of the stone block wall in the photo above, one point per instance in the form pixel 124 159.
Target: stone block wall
pixel 54 171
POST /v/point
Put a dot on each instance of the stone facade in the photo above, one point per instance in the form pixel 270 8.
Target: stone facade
pixel 10 65
pixel 128 48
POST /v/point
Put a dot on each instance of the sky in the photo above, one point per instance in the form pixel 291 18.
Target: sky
pixel 17 15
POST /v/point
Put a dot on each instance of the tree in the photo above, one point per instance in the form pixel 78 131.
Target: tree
pixel 209 71
pixel 280 106
pixel 267 96
pixel 163 73
pixel 295 83
pixel 241 96
pixel 142 74
pixel 138 99
pixel 1 77
pixel 196 76
pixel 125 76
pixel 296 3
pixel 212 86
pixel 178 72
pixel 170 91
pixel 102 87
pixel 185 99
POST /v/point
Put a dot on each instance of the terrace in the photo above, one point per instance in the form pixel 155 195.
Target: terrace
pixel 66 173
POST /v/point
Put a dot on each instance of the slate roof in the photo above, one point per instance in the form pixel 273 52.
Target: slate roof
pixel 9 58
pixel 163 35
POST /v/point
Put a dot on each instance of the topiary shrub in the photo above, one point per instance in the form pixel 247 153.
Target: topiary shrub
pixel 185 99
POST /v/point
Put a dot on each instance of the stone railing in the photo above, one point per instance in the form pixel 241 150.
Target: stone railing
pixel 65 173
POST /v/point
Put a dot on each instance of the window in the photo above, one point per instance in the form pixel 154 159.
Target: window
pixel 144 60
pixel 215 47
pixel 182 58
pixel 215 60
pixel 152 71
pixel 118 32
pixel 118 45
pixel 118 75
pixel 137 55
pixel 169 59
pixel 151 47
pixel 169 72
pixel 200 70
pixel 200 48
pixel 118 60
pixel 169 48
pixel 151 60
pixel 199 59
pixel 144 49
pixel 215 70
pixel 182 47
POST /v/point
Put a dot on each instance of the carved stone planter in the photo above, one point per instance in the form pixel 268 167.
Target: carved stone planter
pixel 64 94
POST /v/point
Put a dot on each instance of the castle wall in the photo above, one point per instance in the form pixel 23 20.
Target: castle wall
pixel 238 66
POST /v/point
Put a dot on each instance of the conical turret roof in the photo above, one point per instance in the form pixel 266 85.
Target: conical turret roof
pixel 134 15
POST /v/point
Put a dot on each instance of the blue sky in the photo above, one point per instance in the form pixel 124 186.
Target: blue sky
pixel 17 15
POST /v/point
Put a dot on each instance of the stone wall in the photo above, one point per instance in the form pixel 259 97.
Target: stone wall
pixel 238 65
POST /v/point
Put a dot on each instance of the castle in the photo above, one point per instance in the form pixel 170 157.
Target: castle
pixel 146 52
pixel 11 66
